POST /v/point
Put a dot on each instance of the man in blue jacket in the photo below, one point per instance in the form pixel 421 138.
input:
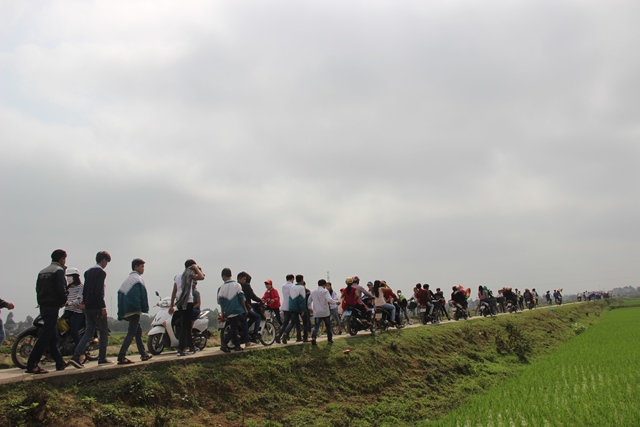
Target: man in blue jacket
pixel 51 290
pixel 132 302
pixel 95 311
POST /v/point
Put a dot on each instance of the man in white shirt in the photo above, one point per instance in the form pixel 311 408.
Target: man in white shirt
pixel 284 306
pixel 319 303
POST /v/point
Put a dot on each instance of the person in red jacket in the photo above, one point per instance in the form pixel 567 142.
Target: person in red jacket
pixel 272 299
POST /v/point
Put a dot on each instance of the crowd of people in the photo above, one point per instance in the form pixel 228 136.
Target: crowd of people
pixel 296 307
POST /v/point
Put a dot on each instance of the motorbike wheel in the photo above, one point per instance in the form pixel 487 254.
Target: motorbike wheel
pixel 199 340
pixel 335 326
pixel 155 344
pixel 424 318
pixel 268 334
pixel 21 348
pixel 352 327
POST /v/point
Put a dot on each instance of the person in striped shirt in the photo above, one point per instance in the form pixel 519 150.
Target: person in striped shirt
pixel 74 308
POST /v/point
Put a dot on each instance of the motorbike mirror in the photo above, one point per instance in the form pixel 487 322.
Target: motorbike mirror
pixel 157 294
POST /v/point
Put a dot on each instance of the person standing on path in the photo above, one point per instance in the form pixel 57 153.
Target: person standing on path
pixel 232 308
pixel 51 291
pixel 95 311
pixel 9 306
pixel 182 297
pixel 319 301
pixel 297 309
pixel 286 291
pixel 132 302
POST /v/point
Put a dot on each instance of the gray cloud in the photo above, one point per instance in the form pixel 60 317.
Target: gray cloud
pixel 451 143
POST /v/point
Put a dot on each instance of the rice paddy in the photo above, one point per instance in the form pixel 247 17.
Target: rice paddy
pixel 593 380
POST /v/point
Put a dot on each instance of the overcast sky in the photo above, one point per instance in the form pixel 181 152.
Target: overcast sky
pixel 441 142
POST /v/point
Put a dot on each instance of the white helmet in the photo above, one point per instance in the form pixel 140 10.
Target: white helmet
pixel 71 271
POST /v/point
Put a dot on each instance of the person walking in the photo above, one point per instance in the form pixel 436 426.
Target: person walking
pixel 284 301
pixel 318 303
pixel 9 306
pixel 182 297
pixel 335 313
pixel 132 302
pixel 51 292
pixel 297 309
pixel 95 311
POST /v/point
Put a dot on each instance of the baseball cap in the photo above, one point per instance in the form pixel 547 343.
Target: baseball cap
pixel 269 282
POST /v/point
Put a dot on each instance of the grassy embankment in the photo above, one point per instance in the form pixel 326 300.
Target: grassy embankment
pixel 394 378
pixel 592 380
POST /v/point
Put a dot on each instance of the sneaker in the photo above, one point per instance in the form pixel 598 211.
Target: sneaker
pixel 225 348
pixel 194 350
pixel 105 362
pixel 182 354
pixel 278 339
pixel 285 338
pixel 61 367
pixel 75 363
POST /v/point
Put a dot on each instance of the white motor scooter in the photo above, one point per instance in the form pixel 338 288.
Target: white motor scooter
pixel 164 331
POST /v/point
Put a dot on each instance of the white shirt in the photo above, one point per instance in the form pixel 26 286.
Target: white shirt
pixel 178 281
pixel 286 292
pixel 319 302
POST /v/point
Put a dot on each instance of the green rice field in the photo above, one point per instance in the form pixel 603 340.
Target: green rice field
pixel 593 380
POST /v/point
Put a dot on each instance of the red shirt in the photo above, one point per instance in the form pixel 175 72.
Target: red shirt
pixel 272 295
pixel 422 296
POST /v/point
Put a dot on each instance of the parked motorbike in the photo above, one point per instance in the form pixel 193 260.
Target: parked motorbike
pixel 165 329
pixel 24 343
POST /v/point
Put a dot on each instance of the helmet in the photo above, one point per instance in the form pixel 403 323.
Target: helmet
pixel 348 280
pixel 71 271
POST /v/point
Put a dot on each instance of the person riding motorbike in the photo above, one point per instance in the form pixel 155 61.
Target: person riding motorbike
pixel 459 298
pixel 353 302
pixel 74 308
pixel 380 301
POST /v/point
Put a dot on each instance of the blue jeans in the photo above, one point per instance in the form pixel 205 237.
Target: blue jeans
pixel 285 322
pixel 233 323
pixel 295 321
pixel 94 320
pixel 75 321
pixel 47 338
pixel 391 308
pixel 134 330
pixel 254 319
pixel 327 325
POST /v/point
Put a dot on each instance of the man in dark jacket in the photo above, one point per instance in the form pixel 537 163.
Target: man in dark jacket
pixel 244 279
pixel 51 291
pixel 95 310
